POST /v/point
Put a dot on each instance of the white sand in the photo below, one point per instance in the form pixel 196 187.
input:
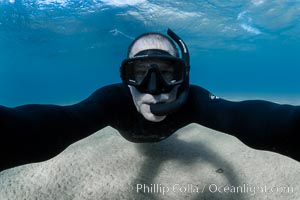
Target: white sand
pixel 191 164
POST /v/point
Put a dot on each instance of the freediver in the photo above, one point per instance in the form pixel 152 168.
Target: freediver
pixel 154 100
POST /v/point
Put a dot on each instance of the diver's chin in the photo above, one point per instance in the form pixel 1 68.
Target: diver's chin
pixel 148 115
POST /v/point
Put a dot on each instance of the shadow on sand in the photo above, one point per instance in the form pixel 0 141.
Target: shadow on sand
pixel 186 153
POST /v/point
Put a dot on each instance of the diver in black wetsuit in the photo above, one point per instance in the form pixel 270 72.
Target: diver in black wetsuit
pixel 154 100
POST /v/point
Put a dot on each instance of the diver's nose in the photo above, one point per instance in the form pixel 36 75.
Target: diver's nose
pixel 152 86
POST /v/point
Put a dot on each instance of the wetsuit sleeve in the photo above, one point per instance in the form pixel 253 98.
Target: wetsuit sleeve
pixel 31 133
pixel 259 124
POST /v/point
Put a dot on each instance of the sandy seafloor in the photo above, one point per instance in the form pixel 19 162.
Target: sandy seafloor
pixel 194 163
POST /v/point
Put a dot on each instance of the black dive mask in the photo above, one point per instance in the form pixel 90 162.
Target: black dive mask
pixel 155 71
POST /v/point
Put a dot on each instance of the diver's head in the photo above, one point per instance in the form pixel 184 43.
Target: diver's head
pixel 152 41
pixel 156 75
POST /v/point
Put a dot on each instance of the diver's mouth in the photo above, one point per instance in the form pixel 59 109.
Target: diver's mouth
pixel 160 102
pixel 145 110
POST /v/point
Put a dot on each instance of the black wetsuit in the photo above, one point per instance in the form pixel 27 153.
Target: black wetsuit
pixel 33 133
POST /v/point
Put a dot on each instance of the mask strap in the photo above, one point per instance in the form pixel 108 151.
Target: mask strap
pixel 152 52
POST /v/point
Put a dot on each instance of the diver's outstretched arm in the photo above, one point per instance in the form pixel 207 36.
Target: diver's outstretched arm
pixel 32 133
pixel 259 124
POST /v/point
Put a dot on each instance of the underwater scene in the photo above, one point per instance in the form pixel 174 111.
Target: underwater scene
pixel 122 143
pixel 60 51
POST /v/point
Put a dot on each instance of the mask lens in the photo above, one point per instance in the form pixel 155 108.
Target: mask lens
pixel 172 71
pixel 134 72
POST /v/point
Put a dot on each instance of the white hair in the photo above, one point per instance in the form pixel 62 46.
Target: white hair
pixel 152 41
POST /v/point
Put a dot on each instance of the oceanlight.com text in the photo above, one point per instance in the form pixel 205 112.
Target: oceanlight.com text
pixel 211 188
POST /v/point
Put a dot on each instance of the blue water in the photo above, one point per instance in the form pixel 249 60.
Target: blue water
pixel 60 51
